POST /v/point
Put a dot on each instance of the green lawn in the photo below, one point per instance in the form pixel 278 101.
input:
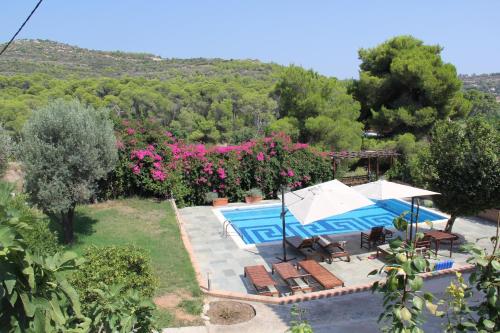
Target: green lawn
pixel 152 226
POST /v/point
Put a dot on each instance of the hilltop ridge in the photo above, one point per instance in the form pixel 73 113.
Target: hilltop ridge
pixel 27 56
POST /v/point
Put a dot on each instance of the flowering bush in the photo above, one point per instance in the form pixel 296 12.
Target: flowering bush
pixel 154 162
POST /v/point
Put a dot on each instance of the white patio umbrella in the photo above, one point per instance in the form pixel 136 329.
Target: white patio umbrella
pixel 320 201
pixel 383 190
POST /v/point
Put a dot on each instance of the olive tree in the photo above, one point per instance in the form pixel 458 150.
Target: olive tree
pixel 464 166
pixel 67 148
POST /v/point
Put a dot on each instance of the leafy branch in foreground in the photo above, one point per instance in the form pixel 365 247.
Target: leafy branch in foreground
pixel 299 324
pixel 35 296
pixel 403 298
pixel 485 316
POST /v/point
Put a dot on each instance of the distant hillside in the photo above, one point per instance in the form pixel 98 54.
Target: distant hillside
pixel 63 60
pixel 485 82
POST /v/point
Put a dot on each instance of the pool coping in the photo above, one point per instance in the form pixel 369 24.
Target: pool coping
pixel 238 240
pixel 205 288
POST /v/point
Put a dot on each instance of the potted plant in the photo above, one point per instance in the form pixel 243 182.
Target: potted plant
pixel 213 198
pixel 253 195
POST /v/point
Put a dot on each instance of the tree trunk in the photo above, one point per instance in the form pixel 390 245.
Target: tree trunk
pixel 67 224
pixel 449 224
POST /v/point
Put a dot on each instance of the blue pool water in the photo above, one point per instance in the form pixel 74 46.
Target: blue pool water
pixel 263 224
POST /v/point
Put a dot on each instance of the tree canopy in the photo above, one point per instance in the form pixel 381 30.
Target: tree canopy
pixel 66 149
pixel 464 166
pixel 318 108
pixel 404 86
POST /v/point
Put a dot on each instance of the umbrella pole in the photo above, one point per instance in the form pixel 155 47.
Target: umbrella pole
pixel 411 218
pixel 416 219
pixel 283 222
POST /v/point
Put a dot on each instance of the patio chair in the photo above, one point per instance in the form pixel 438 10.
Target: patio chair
pixel 333 248
pixel 261 280
pixel 375 237
pixel 423 247
pixel 295 280
pixel 323 276
pixel 305 246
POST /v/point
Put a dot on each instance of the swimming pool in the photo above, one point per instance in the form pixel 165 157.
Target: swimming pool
pixel 263 224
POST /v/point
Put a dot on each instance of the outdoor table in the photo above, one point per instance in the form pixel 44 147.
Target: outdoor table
pixel 438 236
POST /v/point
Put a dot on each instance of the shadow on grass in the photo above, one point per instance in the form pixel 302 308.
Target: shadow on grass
pixel 82 223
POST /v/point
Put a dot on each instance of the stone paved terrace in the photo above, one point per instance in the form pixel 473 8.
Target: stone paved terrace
pixel 223 260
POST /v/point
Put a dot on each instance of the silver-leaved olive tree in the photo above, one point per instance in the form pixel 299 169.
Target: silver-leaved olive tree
pixel 67 148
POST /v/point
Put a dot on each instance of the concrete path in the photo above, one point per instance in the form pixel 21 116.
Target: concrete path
pixel 355 313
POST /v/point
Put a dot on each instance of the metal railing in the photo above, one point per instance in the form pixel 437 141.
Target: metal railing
pixel 225 226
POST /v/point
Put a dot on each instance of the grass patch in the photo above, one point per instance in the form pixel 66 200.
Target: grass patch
pixel 192 306
pixel 147 224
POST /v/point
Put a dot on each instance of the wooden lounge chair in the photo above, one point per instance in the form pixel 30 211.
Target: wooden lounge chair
pixel 376 237
pixel 305 246
pixel 332 248
pixel 324 277
pixel 292 277
pixel 261 280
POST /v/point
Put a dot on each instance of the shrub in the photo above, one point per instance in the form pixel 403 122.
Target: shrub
pixel 156 163
pixel 117 309
pixel 37 236
pixel 210 197
pixel 35 295
pixel 254 192
pixel 128 266
pixel 5 150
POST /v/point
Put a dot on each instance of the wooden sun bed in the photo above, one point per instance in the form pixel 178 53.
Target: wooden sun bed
pixel 261 280
pixel 305 246
pixel 333 248
pixel 292 276
pixel 321 274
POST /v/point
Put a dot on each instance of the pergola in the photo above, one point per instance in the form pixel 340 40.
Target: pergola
pixel 369 154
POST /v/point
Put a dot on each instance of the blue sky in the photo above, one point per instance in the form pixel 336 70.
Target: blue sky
pixel 323 35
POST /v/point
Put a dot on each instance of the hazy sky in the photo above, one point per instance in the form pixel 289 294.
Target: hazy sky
pixel 323 35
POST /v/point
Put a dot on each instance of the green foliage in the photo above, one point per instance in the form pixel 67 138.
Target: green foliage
pixel 127 266
pixel 67 148
pixel 37 236
pixel 464 167
pixel 254 192
pixel 299 324
pixel 405 86
pixel 210 196
pixel 35 295
pixel 192 306
pixel 119 309
pixel 484 104
pixel 457 309
pixel 404 298
pixel 462 314
pixel 319 108
pixel 5 150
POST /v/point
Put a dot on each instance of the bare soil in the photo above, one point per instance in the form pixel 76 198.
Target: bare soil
pixel 171 303
pixel 230 312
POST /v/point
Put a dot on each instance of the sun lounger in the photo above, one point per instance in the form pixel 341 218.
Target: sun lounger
pixel 261 280
pixel 323 276
pixel 292 277
pixel 305 246
pixel 333 248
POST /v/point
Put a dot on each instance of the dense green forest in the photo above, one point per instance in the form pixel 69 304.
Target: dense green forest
pixel 404 87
